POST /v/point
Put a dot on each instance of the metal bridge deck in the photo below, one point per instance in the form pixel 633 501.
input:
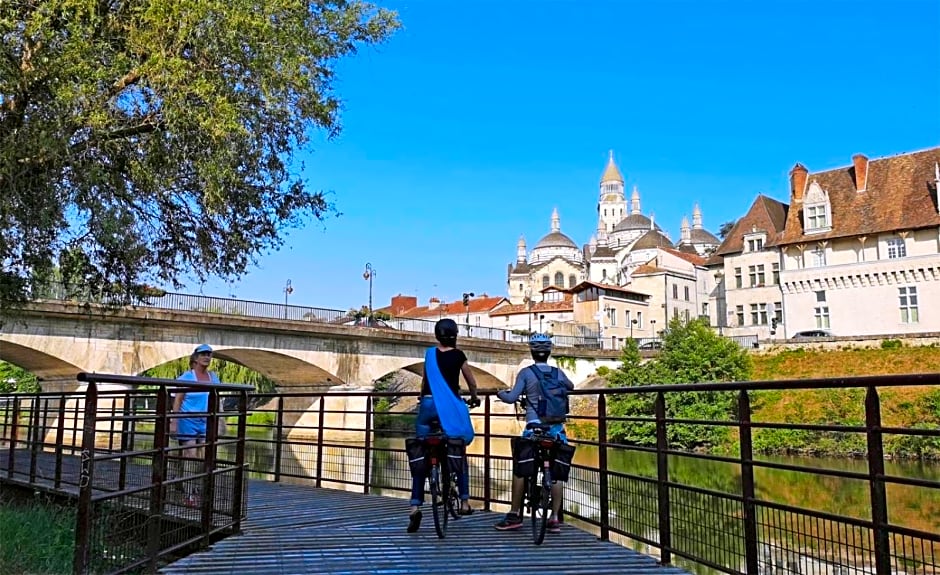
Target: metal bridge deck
pixel 295 529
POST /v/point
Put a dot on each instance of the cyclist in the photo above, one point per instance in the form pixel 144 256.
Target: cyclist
pixel 451 362
pixel 540 346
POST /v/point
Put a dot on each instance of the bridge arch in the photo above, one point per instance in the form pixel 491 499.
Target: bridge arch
pixel 49 369
pixel 486 381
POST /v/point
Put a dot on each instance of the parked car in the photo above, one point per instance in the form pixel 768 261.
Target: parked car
pixel 812 333
pixel 651 345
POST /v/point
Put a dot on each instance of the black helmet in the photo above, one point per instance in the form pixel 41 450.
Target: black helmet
pixel 445 331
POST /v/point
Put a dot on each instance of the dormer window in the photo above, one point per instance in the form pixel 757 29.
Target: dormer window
pixel 817 211
pixel 754 241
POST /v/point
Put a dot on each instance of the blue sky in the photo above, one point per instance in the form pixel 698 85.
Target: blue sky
pixel 478 118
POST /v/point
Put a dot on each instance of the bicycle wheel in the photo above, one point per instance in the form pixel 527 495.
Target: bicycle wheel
pixel 453 499
pixel 540 494
pixel 438 500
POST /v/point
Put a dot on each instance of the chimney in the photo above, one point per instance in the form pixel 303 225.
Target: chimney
pixel 798 182
pixel 402 303
pixel 434 303
pixel 861 172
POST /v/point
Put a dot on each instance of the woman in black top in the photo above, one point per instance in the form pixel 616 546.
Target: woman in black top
pixel 451 362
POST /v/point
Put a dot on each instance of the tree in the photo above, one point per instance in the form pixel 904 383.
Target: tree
pixel 16 379
pixel 692 353
pixel 725 229
pixel 145 140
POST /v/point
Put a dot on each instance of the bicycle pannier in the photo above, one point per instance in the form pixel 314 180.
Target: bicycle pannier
pixel 417 456
pixel 523 456
pixel 456 448
pixel 561 466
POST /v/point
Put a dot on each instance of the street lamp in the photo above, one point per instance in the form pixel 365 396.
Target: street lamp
pixel 541 317
pixel 653 326
pixel 288 289
pixel 368 275
pixel 632 323
pixel 466 305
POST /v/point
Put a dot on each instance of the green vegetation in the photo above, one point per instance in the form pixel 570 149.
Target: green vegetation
pixel 229 372
pixel 692 352
pixel 565 362
pixel 36 538
pixel 136 152
pixel 14 379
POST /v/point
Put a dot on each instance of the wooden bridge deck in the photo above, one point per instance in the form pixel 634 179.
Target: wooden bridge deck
pixel 294 529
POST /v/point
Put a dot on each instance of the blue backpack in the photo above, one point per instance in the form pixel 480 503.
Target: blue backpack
pixel 552 406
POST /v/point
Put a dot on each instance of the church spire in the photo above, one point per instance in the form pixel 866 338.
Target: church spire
pixel 556 221
pixel 635 201
pixel 697 217
pixel 685 232
pixel 611 172
pixel 520 250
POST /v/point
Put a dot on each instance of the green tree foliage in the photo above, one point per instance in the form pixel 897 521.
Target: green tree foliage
pixel 228 371
pixel 142 141
pixel 16 379
pixel 725 229
pixel 692 353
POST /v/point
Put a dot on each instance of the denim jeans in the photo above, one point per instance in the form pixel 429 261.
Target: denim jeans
pixel 427 413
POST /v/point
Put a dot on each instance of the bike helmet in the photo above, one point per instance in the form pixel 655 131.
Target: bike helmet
pixel 445 331
pixel 540 343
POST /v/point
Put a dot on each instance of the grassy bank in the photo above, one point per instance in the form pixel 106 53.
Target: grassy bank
pixel 37 537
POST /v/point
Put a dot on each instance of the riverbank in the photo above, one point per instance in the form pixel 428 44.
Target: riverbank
pixel 909 407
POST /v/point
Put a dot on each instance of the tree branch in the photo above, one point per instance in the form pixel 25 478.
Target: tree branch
pixel 128 79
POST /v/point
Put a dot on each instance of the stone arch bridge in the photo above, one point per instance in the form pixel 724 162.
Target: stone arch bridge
pixel 56 340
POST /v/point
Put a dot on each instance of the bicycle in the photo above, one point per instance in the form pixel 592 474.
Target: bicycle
pixel 445 497
pixel 537 498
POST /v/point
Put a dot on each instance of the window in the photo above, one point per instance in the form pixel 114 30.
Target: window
pixel 686 314
pixel 675 291
pixel 612 316
pixel 686 293
pixel 705 308
pixel 820 296
pixel 755 245
pixel 521 288
pixel 761 278
pixel 822 316
pixel 759 314
pixel 603 274
pixel 639 320
pixel 559 279
pixel 775 273
pixel 908 302
pixel 545 281
pixel 778 312
pixel 626 316
pixel 738 281
pixel 819 257
pixel 572 281
pixel 896 248
pixel 817 217
pixel 740 313
pixel 756 275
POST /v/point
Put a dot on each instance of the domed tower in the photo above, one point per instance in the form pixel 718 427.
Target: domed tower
pixel 555 244
pixel 611 203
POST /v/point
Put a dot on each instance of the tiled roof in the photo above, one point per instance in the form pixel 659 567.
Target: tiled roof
pixel 692 258
pixel 703 236
pixel 477 305
pixel 585 284
pixel 900 194
pixel 603 252
pixel 651 239
pixel 567 304
pixel 647 269
pixel 635 222
pixel 766 214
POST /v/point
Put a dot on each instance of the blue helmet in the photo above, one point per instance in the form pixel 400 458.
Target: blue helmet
pixel 540 343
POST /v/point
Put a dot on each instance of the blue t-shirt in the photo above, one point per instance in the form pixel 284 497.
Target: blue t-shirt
pixel 197 401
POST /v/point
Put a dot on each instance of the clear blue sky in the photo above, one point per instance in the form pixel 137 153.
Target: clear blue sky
pixel 479 117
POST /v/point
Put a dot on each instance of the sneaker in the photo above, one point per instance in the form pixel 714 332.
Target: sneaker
pixel 554 526
pixel 511 521
pixel 414 521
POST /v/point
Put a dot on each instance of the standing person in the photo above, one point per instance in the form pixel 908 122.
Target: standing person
pixel 530 381
pixel 192 430
pixel 440 400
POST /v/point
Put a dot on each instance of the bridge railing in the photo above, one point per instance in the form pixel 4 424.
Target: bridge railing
pixel 727 511
pixel 140 497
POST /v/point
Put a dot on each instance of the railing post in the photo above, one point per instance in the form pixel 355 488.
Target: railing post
pixel 876 482
pixel 86 483
pixel 209 464
pixel 125 442
pixel 602 466
pixel 321 422
pixel 487 473
pixel 238 488
pixel 157 477
pixel 367 467
pixel 59 436
pixel 14 437
pixel 662 481
pixel 279 431
pixel 33 438
pixel 747 482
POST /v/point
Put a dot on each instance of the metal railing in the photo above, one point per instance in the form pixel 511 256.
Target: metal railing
pixel 649 500
pixel 640 493
pixel 267 310
pixel 139 498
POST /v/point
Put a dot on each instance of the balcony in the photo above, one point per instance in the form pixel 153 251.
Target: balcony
pixel 860 274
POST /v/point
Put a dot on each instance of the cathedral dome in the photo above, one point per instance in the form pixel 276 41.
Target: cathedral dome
pixel 556 244
pixel 556 240
pixel 635 222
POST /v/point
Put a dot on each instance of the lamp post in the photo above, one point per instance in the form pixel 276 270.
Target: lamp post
pixel 632 323
pixel 368 275
pixel 528 306
pixel 653 326
pixel 719 298
pixel 541 317
pixel 466 305
pixel 288 289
